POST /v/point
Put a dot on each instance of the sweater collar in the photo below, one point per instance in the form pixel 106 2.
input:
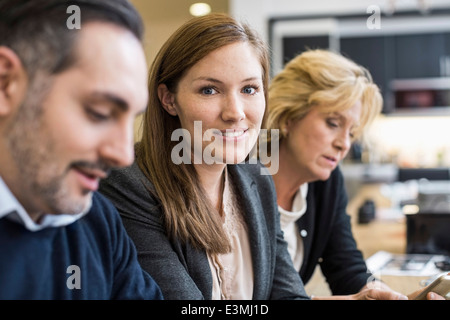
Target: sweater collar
pixel 11 209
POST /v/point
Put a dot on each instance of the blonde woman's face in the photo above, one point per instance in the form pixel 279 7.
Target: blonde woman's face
pixel 220 102
pixel 317 143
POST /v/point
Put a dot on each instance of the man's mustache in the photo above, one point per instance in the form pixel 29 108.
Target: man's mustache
pixel 100 165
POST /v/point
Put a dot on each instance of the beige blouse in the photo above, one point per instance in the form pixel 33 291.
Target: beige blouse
pixel 232 273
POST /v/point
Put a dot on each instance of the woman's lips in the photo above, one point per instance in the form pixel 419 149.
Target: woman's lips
pixel 232 134
pixel 330 160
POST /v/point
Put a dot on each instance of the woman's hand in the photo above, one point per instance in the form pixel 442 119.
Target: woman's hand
pixel 367 294
pixel 430 295
pixel 377 290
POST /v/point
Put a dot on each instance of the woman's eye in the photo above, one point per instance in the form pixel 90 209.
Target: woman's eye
pixel 249 90
pixel 208 91
pixel 332 123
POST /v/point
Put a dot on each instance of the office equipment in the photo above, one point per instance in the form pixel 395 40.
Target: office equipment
pixel 428 230
pixel 405 174
pixel 386 263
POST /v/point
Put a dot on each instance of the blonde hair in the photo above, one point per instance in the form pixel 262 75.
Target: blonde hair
pixel 323 79
pixel 188 216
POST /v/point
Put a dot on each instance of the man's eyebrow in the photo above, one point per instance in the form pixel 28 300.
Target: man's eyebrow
pixel 111 98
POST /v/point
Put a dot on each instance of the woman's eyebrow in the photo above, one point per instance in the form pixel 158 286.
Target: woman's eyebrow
pixel 219 81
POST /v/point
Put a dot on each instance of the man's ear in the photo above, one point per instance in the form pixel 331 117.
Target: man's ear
pixel 167 99
pixel 13 80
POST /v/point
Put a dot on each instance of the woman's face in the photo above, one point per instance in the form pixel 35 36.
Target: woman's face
pixel 221 99
pixel 316 143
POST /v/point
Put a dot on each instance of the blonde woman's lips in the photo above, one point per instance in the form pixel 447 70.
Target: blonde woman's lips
pixel 330 160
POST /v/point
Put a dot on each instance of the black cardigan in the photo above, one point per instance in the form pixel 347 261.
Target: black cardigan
pixel 329 240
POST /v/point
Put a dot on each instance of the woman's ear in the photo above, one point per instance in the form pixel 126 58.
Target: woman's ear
pixel 13 80
pixel 285 128
pixel 167 99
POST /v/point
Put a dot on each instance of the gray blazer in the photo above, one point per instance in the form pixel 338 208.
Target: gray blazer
pixel 183 272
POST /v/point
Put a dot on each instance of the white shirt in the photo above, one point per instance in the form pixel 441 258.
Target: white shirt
pixel 10 208
pixel 290 228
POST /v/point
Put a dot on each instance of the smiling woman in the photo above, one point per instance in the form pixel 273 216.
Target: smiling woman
pixel 206 229
pixel 224 90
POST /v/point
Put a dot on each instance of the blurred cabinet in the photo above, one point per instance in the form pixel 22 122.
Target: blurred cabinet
pixel 391 57
pixel 377 54
pixel 295 45
pixel 413 47
pixel 419 55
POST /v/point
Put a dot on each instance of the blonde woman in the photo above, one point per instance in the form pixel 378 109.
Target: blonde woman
pixel 205 223
pixel 321 102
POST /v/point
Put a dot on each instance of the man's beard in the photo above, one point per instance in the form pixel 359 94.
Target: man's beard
pixel 33 150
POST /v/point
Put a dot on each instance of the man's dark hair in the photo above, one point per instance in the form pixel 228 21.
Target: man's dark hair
pixel 37 30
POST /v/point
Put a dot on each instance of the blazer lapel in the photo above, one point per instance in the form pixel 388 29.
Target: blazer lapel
pixel 258 236
pixel 307 223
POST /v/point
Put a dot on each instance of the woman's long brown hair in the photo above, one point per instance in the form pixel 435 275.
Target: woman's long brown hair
pixel 188 216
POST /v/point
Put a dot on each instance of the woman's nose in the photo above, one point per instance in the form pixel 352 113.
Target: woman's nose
pixel 233 109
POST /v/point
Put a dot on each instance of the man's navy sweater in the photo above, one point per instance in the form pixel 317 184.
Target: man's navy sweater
pixel 92 258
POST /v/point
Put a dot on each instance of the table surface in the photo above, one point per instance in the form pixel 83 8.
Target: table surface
pixel 377 235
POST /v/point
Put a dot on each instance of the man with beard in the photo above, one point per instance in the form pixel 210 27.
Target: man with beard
pixel 68 100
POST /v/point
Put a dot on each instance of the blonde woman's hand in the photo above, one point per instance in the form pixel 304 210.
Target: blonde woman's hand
pixel 375 290
pixel 430 296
